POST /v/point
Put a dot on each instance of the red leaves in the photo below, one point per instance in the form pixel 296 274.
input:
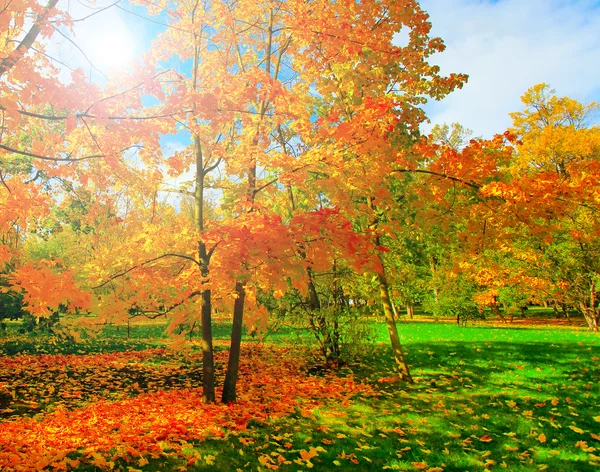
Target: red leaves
pixel 135 426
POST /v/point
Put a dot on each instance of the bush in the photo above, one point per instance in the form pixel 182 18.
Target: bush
pixel 456 301
pixel 341 335
pixel 11 306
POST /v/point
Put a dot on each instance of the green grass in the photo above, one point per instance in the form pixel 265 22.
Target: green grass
pixel 485 398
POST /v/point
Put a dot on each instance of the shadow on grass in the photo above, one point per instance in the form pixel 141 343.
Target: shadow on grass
pixel 476 405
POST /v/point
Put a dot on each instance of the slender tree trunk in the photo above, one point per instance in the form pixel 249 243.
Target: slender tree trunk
pixel 410 310
pixel 392 328
pixel 229 387
pixel 208 362
pixel 590 312
pixel 388 311
pixel 433 272
pixel 229 390
pixel 313 296
pixel 394 308
pixel 591 317
pixel 204 255
pixel 496 311
pixel 522 311
pixel 565 311
pixel 315 315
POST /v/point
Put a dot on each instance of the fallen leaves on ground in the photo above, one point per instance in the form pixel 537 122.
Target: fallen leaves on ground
pixel 272 384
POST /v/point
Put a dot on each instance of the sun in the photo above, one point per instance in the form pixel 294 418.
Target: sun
pixel 113 50
pixel 109 42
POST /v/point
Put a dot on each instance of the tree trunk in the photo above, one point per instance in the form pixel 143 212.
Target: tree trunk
pixel 591 312
pixel 394 308
pixel 556 312
pixel 591 317
pixel 522 311
pixel 496 311
pixel 392 328
pixel 208 362
pixel 229 387
pixel 410 310
pixel 313 297
pixel 565 311
pixel 204 255
pixel 433 272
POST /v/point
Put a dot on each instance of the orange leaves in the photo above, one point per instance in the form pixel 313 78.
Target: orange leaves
pixel 150 423
pixel 44 290
pixel 419 465
pixel 308 455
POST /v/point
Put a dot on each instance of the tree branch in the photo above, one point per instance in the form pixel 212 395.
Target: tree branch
pixel 149 261
pixel 438 174
pixel 10 61
pixel 58 159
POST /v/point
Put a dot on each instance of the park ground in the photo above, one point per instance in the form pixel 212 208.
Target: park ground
pixel 520 397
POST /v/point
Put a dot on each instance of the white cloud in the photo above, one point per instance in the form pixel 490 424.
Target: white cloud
pixel 507 46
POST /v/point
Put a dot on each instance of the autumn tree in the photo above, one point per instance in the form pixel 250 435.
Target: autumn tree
pixel 529 232
pixel 554 176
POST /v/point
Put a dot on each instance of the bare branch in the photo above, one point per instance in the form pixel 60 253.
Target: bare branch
pixel 149 261
pixel 48 158
pixel 152 21
pixel 80 50
pixel 59 159
pixel 100 10
pixel 4 183
pixel 438 174
pixel 87 115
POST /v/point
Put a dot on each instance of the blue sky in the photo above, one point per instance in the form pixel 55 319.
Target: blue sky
pixel 506 46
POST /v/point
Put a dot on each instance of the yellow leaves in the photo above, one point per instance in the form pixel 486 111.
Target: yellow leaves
pixel 101 462
pixel 597 419
pixel 576 429
pixel 511 403
pixel 266 461
pixel 246 441
pixel 143 461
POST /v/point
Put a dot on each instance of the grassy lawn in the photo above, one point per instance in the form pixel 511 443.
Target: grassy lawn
pixel 485 398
